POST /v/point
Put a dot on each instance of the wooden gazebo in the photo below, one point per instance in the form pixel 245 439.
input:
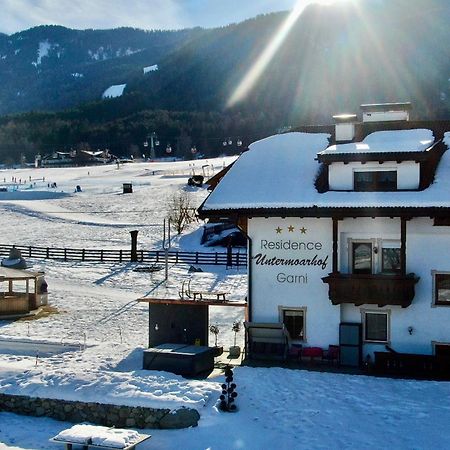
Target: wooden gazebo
pixel 21 291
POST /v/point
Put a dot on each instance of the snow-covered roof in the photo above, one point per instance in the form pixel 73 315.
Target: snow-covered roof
pixel 280 172
pixel 398 141
pixel 16 274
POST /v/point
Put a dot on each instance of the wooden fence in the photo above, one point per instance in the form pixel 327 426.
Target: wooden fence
pixel 118 256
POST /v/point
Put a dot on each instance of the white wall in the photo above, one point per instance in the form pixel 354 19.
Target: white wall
pixel 427 250
pixel 344 131
pixel 341 175
pixel 269 291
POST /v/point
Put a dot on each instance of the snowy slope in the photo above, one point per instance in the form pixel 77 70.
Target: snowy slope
pixel 115 90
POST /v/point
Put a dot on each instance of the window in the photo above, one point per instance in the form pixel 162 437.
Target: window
pixel 441 289
pixel 294 321
pixel 441 349
pixel 380 180
pixel 362 257
pixel 390 260
pixel 371 256
pixel 376 326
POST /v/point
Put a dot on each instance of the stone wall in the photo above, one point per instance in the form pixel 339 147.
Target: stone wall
pixel 98 413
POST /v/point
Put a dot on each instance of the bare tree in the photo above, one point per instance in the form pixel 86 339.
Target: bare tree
pixel 181 211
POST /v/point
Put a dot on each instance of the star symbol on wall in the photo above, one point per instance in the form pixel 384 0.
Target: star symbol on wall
pixel 278 230
pixel 303 230
pixel 290 228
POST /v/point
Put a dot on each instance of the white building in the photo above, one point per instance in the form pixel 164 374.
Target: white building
pixel 347 243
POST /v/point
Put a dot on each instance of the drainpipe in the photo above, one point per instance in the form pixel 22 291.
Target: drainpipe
pixel 403 246
pixel 249 271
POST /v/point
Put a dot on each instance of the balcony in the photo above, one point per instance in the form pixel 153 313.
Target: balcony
pixel 379 289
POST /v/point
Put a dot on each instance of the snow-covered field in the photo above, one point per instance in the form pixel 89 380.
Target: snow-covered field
pixel 98 315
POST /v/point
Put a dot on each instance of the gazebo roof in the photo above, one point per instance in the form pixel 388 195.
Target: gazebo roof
pixel 7 274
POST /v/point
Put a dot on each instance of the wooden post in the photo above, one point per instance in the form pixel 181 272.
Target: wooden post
pixel 134 256
pixel 335 245
pixel 403 246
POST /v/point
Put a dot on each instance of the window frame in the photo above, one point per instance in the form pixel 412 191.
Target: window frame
pixel 378 245
pixel 436 344
pixel 282 309
pixel 351 243
pixel 375 184
pixel 387 313
pixel 434 295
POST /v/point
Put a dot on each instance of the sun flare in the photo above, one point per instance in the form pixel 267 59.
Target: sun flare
pixel 257 69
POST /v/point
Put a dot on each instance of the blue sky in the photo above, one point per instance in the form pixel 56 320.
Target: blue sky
pixel 17 15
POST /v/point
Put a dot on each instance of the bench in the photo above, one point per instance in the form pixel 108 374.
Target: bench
pixel 84 436
pixel 266 340
pixel 218 295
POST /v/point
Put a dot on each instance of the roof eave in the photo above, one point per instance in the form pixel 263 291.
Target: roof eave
pixel 326 212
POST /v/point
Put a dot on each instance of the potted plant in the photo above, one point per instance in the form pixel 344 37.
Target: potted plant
pixel 214 329
pixel 235 350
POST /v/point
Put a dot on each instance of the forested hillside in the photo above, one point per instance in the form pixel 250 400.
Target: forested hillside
pixel 333 59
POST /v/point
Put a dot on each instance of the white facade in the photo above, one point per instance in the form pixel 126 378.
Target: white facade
pixel 293 286
pixel 340 175
pixel 414 329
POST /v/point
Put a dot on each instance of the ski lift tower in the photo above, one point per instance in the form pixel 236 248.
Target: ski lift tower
pixel 153 142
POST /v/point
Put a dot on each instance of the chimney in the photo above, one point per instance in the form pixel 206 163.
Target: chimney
pixel 345 127
pixel 386 112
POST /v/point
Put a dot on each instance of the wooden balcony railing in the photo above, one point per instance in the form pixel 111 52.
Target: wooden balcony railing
pixel 379 289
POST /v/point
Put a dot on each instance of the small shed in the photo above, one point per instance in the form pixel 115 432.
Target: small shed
pixel 127 188
pixel 21 291
pixel 178 334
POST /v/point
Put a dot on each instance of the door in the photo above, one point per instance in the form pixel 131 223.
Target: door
pixel 350 344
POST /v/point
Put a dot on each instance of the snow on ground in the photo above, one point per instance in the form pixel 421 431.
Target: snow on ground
pixel 43 50
pixel 103 331
pixel 116 90
pixel 97 309
pixel 293 409
pixel 153 68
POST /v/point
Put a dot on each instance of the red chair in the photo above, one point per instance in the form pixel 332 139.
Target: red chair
pixel 312 352
pixel 295 351
pixel 332 354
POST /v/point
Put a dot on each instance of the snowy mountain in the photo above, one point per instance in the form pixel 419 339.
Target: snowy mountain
pixel 52 67
pixel 375 51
